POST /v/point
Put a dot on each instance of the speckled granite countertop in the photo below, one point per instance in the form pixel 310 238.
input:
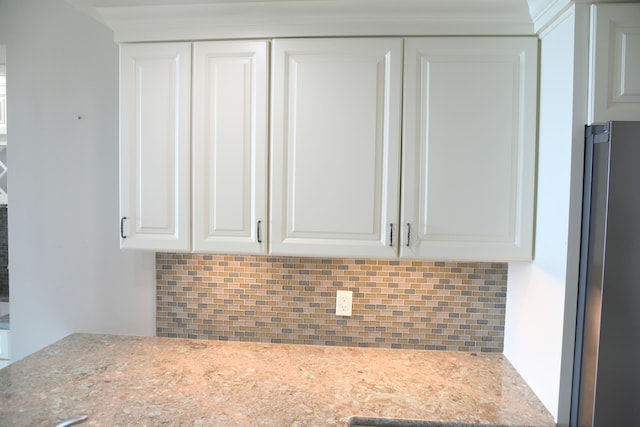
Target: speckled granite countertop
pixel 130 381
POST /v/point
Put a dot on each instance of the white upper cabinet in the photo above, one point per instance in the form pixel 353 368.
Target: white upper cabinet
pixel 329 165
pixel 469 138
pixel 335 166
pixel 230 87
pixel 155 84
pixel 614 92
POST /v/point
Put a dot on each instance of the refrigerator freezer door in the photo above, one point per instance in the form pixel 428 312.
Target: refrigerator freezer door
pixel 608 386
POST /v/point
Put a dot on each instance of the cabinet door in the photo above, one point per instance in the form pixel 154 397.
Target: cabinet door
pixel 335 147
pixel 614 92
pixel 155 82
pixel 469 148
pixel 230 146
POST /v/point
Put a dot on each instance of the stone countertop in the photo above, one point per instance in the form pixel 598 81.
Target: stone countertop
pixel 127 381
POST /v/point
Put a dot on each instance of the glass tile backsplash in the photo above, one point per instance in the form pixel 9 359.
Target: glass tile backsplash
pixel 457 306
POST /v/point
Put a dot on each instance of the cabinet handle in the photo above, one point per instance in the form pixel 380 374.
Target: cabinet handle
pixel 258 229
pixel 122 227
pixel 391 235
pixel 408 234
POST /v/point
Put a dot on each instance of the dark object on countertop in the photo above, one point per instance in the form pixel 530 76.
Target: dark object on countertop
pixel 395 422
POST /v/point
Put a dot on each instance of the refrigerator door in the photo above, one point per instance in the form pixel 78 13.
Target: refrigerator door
pixel 607 364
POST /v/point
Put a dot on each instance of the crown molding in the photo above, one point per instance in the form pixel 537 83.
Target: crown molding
pixel 544 12
pixel 163 20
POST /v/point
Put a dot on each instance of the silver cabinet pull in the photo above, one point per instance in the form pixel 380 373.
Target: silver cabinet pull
pixel 391 234
pixel 122 227
pixel 408 234
pixel 258 229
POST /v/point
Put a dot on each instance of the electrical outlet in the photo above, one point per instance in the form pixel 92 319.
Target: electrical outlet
pixel 343 303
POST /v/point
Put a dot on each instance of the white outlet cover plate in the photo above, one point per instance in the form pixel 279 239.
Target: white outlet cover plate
pixel 344 301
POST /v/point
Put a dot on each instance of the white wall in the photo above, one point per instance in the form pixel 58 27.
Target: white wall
pixel 541 295
pixel 67 273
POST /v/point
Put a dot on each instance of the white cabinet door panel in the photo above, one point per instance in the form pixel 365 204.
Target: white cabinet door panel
pixel 469 148
pixel 155 84
pixel 335 146
pixel 230 146
pixel 615 63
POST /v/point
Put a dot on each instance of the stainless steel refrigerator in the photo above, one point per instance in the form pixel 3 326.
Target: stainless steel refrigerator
pixel 606 385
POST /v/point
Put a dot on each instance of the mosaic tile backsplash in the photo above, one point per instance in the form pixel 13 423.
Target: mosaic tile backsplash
pixel 456 306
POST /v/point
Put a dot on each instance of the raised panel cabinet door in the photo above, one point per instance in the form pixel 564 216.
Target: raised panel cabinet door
pixel 614 77
pixel 335 147
pixel 469 142
pixel 155 84
pixel 230 88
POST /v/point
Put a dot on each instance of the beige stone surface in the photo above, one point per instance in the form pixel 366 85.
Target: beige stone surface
pixel 132 381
